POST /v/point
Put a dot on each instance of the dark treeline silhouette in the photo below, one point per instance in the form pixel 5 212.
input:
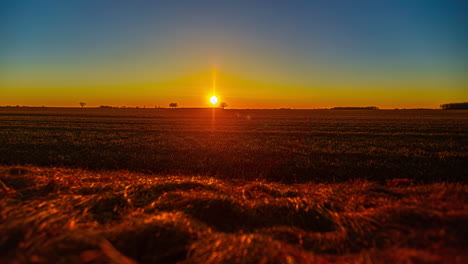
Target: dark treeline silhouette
pixel 455 106
pixel 356 108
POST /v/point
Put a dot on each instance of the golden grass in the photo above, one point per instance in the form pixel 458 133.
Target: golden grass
pixel 58 215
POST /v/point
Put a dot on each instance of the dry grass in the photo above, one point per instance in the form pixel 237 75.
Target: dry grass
pixel 294 146
pixel 57 215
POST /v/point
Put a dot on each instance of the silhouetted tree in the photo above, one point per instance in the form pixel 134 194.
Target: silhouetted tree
pixel 173 105
pixel 223 105
pixel 82 104
pixel 454 106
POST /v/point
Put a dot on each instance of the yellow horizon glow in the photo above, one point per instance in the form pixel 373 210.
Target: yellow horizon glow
pixel 240 91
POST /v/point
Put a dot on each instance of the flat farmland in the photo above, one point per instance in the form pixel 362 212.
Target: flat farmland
pixel 277 145
pixel 215 186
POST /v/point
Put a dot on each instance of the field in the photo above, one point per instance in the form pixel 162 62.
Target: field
pixel 279 145
pixel 233 186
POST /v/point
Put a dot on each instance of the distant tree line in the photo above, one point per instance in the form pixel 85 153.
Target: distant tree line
pixel 16 106
pixel 356 108
pixel 83 104
pixel 455 106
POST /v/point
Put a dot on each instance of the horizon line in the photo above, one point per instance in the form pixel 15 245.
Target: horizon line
pixel 278 108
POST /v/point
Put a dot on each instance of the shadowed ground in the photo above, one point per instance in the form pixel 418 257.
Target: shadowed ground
pixel 56 215
pixel 288 146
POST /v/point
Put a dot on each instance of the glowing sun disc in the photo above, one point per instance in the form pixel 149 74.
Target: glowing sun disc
pixel 214 100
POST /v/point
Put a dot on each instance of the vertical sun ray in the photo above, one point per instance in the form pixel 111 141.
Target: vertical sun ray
pixel 213 80
pixel 213 98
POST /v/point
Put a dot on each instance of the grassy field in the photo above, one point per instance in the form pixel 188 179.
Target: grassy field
pixel 280 145
pixel 233 186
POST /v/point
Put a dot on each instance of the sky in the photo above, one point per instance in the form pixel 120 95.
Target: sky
pixel 251 54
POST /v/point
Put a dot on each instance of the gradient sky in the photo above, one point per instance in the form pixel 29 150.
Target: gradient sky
pixel 264 53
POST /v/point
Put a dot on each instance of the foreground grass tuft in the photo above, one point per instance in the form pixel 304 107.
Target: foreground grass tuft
pixel 57 215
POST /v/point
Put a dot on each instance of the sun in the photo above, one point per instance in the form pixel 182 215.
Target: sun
pixel 213 100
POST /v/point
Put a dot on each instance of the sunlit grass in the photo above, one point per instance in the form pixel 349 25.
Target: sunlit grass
pixel 74 216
